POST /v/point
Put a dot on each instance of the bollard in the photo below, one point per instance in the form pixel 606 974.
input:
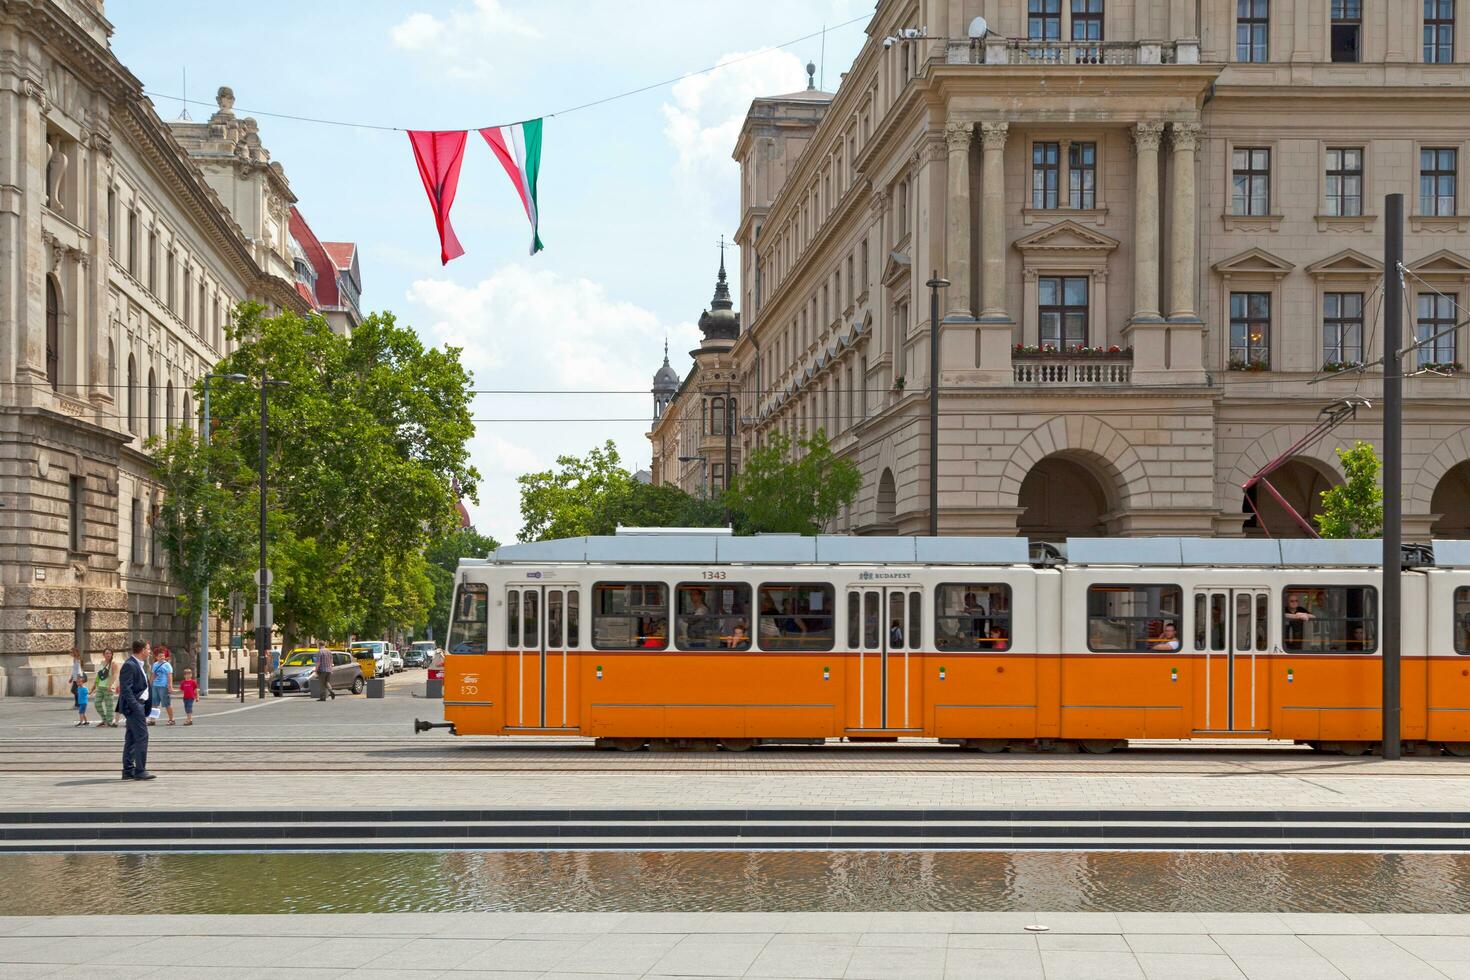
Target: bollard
pixel 376 688
pixel 318 687
pixel 434 688
pixel 233 680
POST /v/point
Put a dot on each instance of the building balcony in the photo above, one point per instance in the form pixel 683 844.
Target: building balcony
pixel 994 50
pixel 1057 369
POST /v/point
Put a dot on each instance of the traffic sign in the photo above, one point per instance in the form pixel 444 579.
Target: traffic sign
pixel 237 642
pixel 269 577
pixel 265 615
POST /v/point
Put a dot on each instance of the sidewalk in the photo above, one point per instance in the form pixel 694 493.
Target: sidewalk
pixel 822 946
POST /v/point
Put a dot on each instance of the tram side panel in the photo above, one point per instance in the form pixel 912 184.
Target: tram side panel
pixel 1447 657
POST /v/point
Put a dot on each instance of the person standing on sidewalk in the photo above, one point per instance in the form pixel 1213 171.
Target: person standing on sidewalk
pixel 78 675
pixel 189 690
pixel 324 673
pixel 134 681
pixel 102 688
pixel 163 675
pixel 82 721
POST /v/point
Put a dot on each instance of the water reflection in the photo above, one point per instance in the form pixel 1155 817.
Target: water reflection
pixel 465 881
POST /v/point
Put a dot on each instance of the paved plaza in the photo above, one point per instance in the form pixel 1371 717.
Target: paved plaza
pixel 853 946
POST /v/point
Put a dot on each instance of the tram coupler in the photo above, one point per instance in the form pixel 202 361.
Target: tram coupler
pixel 424 726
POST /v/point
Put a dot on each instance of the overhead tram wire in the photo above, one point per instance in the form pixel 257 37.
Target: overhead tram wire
pixel 319 121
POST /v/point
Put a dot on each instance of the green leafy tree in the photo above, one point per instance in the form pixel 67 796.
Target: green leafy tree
pixel 441 561
pixel 596 494
pixel 778 490
pixel 1354 509
pixel 366 441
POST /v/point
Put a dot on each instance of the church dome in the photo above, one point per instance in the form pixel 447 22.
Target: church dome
pixel 720 321
pixel 666 378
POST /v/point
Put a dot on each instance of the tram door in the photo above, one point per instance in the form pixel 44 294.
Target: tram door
pixel 542 623
pixel 885 628
pixel 1232 628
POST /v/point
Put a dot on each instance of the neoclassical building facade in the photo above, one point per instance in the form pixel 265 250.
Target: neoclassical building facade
pixel 1162 229
pixel 120 260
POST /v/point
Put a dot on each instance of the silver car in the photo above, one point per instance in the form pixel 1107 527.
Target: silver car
pixel 295 674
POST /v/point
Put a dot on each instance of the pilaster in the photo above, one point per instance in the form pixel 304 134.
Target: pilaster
pixel 993 224
pixel 957 138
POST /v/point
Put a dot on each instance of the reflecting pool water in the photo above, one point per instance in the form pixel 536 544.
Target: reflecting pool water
pixel 471 881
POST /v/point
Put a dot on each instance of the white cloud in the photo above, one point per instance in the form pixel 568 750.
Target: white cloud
pixel 707 111
pixel 464 43
pixel 530 329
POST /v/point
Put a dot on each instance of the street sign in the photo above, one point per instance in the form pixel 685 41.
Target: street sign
pixel 265 615
pixel 269 577
pixel 237 611
pixel 237 642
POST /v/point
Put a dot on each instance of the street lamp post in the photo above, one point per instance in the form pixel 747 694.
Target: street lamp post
pixel 935 284
pixel 263 618
pixel 204 436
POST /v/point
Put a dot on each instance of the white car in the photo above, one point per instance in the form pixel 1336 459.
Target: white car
pixel 382 657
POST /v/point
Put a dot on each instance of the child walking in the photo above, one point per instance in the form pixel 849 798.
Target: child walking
pixel 189 688
pixel 82 703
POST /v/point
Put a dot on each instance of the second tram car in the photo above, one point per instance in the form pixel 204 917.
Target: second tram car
pixel 709 639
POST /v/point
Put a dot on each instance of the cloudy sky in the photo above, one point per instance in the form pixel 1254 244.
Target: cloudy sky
pixel 634 193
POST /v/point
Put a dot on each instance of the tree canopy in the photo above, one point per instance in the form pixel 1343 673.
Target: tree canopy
pixel 442 560
pixel 779 490
pixel 1354 509
pixel 367 441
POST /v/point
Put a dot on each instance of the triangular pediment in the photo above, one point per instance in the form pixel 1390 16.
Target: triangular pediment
pixel 1348 262
pixel 895 268
pixel 1067 236
pixel 1254 262
pixel 1443 262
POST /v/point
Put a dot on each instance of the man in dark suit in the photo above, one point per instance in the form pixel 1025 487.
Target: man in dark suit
pixel 133 684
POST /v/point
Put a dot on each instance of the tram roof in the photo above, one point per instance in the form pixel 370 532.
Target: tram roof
pixel 768 549
pixel 1225 552
pixel 1452 554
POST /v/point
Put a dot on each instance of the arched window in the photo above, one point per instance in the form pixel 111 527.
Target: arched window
pixel 132 394
pixel 186 418
pixel 717 416
pixel 168 407
pixel 53 334
pixel 731 417
pixel 152 403
pixel 111 369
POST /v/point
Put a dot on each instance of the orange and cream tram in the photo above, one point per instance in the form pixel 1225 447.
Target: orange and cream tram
pixel 708 639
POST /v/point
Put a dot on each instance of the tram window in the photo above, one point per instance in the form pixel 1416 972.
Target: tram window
pixel 573 634
pixel 1133 617
pixel 895 620
pixel 1263 613
pixel 1201 621
pixel 553 619
pixel 870 621
pixel 1217 621
pixel 630 615
pixel 529 619
pixel 972 616
pixel 713 617
pixel 1462 620
pixel 513 618
pixel 854 619
pixel 1244 611
pixel 1330 618
pixel 916 620
pixel 796 617
pixel 469 629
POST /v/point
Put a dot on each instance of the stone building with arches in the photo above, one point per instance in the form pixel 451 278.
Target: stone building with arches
pixel 1163 246
pixel 121 257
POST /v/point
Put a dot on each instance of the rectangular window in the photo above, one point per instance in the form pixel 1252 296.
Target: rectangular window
pixel 202 307
pixel 1250 331
pixel 1082 175
pixel 513 618
pixel 133 244
pixel 74 512
pixel 153 263
pixel 188 294
pixel 1329 619
pixel 1062 311
pixel 796 617
pixel 154 544
pixel 1252 30
pixel 1439 32
pixel 111 223
pixel 1044 22
pixel 716 476
pixel 530 620
pixel 1434 328
pixel 1045 171
pixel 470 625
pixel 137 536
pixel 630 615
pixel 1462 619
pixel 1342 328
pixel 1251 179
pixel 1438 173
pixel 1133 617
pixel 1347 29
pixel 712 617
pixel 1345 181
pixel 172 300
pixel 972 616
pixel 574 611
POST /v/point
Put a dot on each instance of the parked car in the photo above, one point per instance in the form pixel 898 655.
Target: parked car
pixel 395 660
pixel 299 668
pixel 419 653
pixel 383 664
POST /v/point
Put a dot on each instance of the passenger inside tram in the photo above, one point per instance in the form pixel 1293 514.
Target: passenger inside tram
pixel 1295 615
pixel 739 638
pixel 1168 638
pixel 659 638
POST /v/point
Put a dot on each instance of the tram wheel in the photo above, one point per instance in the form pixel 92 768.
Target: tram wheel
pixel 1354 748
pixel 737 744
pixel 1100 746
pixel 987 745
pixel 1461 749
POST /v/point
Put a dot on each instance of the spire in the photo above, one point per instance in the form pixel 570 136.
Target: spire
pixel 722 299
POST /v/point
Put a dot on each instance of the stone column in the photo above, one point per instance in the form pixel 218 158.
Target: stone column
pixel 993 223
pixel 958 136
pixel 30 367
pixel 99 324
pixel 1185 140
pixel 1146 136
